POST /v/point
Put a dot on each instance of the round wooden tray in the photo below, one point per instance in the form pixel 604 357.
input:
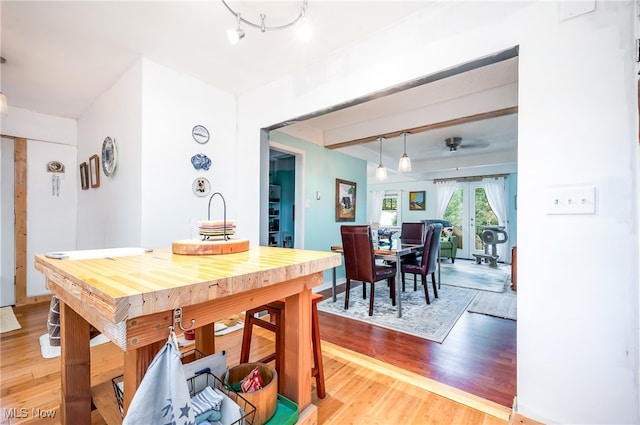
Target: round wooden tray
pixel 197 247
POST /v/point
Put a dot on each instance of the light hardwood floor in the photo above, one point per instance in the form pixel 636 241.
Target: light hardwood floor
pixel 360 389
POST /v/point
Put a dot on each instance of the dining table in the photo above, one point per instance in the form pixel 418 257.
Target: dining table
pixel 392 252
pixel 135 296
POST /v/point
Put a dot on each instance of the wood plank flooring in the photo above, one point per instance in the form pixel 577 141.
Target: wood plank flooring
pixel 478 355
pixel 360 388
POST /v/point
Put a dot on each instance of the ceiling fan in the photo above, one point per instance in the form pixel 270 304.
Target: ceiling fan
pixel 455 143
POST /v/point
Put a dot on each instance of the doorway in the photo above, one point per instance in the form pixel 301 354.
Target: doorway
pixel 469 211
pixel 282 190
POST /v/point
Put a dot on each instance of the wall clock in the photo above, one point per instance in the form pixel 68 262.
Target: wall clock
pixel 200 134
pixel 109 156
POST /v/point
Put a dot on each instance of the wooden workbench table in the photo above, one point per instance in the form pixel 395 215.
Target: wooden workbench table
pixel 131 300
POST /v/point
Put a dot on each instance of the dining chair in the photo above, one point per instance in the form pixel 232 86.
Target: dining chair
pixel 360 264
pixel 427 264
pixel 412 233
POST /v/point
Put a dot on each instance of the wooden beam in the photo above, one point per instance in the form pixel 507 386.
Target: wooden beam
pixel 428 127
pixel 20 210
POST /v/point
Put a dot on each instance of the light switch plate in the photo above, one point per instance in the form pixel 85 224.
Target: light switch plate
pixel 571 200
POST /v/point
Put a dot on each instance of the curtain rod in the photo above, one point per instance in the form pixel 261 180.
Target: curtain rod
pixel 469 179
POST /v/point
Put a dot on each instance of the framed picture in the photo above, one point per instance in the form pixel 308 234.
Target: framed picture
pixel 416 201
pixel 84 176
pixel 345 200
pixel 94 171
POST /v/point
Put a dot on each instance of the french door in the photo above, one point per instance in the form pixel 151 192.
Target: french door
pixel 468 211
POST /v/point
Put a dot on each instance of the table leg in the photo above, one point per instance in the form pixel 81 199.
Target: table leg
pixel 136 363
pixel 333 285
pixel 297 353
pixel 399 285
pixel 76 367
pixel 205 339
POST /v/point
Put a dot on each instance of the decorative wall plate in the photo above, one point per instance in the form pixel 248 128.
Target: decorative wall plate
pixel 109 156
pixel 200 161
pixel 55 167
pixel 201 186
pixel 200 134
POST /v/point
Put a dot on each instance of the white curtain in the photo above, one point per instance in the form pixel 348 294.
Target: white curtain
pixel 444 192
pixel 497 197
pixel 375 210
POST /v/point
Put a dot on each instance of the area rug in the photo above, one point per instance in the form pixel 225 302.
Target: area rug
pixel 495 304
pixel 48 351
pixel 432 322
pixel 468 274
pixel 8 321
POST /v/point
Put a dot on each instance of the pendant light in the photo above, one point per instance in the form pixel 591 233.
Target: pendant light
pixel 381 172
pixel 405 162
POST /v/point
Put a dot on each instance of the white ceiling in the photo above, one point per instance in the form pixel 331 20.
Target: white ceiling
pixel 62 55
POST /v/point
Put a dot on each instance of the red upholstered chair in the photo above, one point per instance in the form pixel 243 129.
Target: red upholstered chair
pixel 360 264
pixel 412 233
pixel 427 264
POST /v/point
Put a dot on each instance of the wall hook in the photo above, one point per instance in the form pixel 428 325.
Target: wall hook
pixel 177 318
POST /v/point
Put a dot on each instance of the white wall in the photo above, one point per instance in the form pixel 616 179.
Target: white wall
pixel 51 219
pixel 110 215
pixel 578 316
pixel 173 104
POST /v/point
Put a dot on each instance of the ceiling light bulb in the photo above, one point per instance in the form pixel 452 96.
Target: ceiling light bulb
pixel 405 163
pixel 235 36
pixel 4 109
pixel 381 173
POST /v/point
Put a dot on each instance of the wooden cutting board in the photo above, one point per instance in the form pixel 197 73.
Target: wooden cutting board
pixel 197 247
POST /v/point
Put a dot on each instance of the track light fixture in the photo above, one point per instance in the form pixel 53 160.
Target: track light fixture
pixel 405 162
pixel 381 172
pixel 235 35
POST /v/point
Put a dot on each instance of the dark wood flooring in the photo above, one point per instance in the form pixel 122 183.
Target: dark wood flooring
pixel 478 356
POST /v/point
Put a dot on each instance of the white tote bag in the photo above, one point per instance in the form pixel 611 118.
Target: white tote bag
pixel 163 396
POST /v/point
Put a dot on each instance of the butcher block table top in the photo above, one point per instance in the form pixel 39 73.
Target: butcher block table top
pixel 114 289
pixel 132 299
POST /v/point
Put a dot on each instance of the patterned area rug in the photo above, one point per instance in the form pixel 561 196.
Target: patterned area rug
pixel 432 322
pixel 495 304
pixel 468 274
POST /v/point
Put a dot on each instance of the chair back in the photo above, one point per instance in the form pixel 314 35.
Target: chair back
pixel 412 233
pixel 434 248
pixel 357 246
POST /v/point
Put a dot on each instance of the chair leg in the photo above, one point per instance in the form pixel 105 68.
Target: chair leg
pixel 364 290
pixel 346 294
pixel 373 285
pixel 415 282
pixel 433 282
pixel 426 290
pixel 246 337
pixel 402 281
pixel 318 368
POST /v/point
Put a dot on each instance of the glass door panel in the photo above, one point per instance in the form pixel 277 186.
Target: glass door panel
pixel 468 211
pixel 483 216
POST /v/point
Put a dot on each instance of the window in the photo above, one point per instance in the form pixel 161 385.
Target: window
pixel 389 216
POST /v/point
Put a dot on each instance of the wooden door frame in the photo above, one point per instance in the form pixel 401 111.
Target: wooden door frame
pixel 20 227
